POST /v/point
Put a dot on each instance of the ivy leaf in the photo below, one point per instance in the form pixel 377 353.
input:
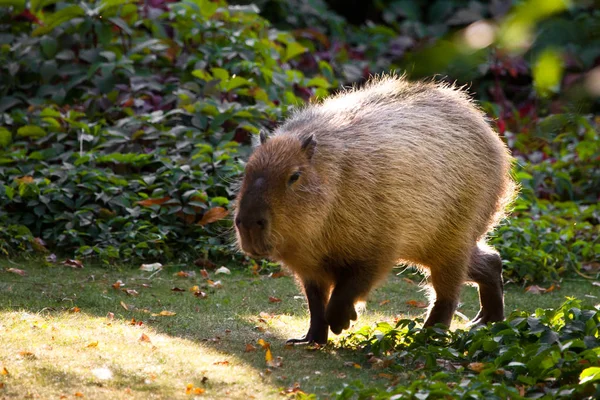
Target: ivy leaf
pixel 292 50
pixel 5 137
pixel 590 374
pixel 31 131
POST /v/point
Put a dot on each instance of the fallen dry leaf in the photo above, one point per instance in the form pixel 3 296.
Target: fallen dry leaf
pixel 249 348
pixel 223 270
pixel 553 287
pixel 274 299
pixel 185 274
pixel 78 394
pixel 384 302
pixel 295 388
pixel 75 309
pixel 225 362
pixel 110 316
pixel 153 202
pixel 164 313
pixel 268 355
pixel 92 344
pixel 73 263
pixel 352 364
pixel 51 258
pixel 17 271
pixel 535 289
pixel 151 267
pixel 145 338
pixel 125 306
pixel 4 371
pixel 215 284
pixel 131 292
pixel 417 304
pixel 213 215
pixel 596 283
pixel 263 344
pixel 176 289
pixel 198 390
pixel 200 294
pixel 278 274
pixel 476 366
pixel 27 354
pixel 204 273
pixel 117 285
pixel 385 376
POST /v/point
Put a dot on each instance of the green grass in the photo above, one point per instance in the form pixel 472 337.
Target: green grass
pixel 52 319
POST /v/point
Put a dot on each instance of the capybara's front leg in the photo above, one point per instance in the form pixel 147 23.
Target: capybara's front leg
pixel 316 294
pixel 340 310
pixel 353 283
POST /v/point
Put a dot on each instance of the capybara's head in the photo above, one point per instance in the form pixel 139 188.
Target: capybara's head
pixel 280 187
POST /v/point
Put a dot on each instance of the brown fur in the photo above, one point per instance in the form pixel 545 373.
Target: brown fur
pixel 396 171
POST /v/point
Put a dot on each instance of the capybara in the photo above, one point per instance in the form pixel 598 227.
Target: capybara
pixel 397 171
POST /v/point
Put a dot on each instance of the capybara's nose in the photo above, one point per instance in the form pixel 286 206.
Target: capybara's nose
pixel 252 222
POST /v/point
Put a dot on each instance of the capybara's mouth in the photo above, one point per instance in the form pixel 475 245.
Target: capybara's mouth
pixel 254 246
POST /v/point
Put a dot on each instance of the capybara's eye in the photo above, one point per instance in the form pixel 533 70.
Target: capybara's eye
pixel 295 176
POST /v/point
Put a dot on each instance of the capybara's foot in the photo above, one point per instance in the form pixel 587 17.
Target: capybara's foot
pixel 308 339
pixel 441 312
pixel 316 334
pixel 484 316
pixel 339 315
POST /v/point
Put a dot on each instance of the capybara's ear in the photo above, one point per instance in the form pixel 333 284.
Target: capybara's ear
pixel 263 137
pixel 308 146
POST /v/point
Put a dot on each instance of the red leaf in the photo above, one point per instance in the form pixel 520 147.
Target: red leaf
pixel 274 299
pixel 213 215
pixel 152 202
pixel 417 304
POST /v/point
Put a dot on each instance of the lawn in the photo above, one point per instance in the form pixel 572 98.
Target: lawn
pixel 80 333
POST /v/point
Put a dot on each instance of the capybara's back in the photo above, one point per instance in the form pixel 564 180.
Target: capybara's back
pixel 345 189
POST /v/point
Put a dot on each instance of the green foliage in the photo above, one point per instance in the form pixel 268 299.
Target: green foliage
pixel 550 354
pixel 548 240
pixel 121 124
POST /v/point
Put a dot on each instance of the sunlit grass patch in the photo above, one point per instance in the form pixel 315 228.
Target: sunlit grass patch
pixel 49 355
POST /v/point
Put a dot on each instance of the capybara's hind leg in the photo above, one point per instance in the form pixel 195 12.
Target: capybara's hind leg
pixel 485 269
pixel 447 281
pixel 316 294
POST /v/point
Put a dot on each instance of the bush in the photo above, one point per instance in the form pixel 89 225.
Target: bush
pixel 550 354
pixel 121 124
